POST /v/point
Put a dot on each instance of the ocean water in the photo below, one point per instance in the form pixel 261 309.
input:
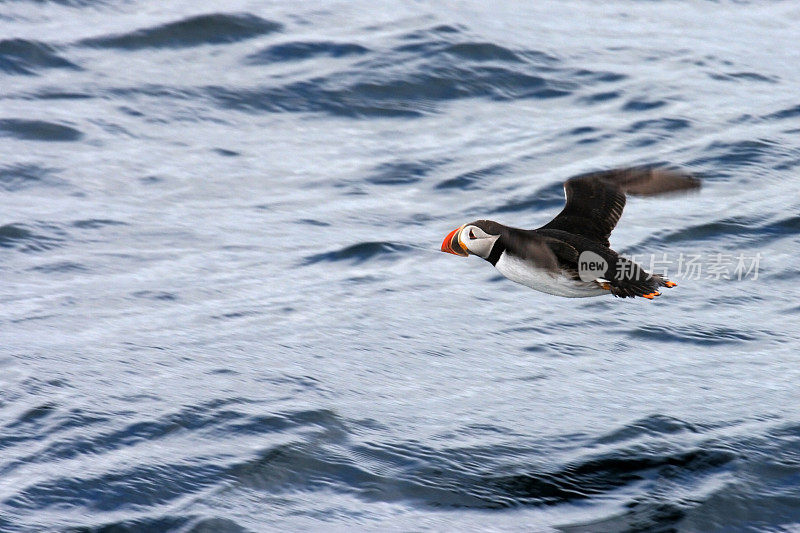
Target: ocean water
pixel 224 307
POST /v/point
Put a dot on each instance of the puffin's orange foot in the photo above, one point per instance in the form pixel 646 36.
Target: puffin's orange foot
pixel 651 295
pixel 670 284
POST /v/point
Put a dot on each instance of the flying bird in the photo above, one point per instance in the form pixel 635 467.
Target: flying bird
pixel 570 255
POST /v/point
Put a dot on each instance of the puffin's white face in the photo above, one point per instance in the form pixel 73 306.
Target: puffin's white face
pixel 476 241
pixel 469 239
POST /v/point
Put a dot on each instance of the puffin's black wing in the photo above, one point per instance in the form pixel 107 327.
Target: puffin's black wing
pixel 595 201
pixel 525 244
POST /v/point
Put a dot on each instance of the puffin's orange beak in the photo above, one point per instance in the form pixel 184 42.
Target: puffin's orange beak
pixel 452 244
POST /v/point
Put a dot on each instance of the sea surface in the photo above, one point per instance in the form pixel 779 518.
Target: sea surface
pixel 223 307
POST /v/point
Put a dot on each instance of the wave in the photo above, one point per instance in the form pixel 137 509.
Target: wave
pixel 41 235
pixel 468 478
pixel 662 471
pixel 732 155
pixel 216 28
pixel 408 80
pixel 401 172
pixel 548 197
pixel 27 57
pixel 301 50
pixel 789 112
pixel 38 130
pixel 23 176
pixel 749 231
pixel 696 335
pixel 25 238
pixel 474 178
pixel 360 253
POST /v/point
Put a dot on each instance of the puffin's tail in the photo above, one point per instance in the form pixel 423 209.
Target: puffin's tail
pixel 632 280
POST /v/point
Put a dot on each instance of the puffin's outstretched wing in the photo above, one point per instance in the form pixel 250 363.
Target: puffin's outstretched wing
pixel 525 244
pixel 595 201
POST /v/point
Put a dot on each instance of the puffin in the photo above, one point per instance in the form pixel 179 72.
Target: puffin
pixel 571 256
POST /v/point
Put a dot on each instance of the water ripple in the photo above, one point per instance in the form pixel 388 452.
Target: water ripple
pixel 474 178
pixel 22 176
pixel 297 51
pixel 747 230
pixel 20 56
pixel 38 130
pixel 696 335
pixel 26 239
pixel 216 28
pixel 376 87
pixel 402 172
pixel 360 253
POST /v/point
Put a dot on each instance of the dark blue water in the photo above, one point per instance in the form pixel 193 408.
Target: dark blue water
pixel 224 308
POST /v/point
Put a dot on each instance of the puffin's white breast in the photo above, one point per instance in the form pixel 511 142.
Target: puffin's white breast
pixel 524 272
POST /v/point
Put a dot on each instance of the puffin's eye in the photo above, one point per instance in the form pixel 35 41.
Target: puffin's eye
pixel 472 235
